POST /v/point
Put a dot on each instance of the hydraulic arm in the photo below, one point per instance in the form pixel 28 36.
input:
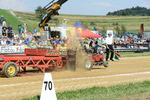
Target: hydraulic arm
pixel 51 9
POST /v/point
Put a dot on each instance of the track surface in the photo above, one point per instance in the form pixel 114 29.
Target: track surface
pixel 127 70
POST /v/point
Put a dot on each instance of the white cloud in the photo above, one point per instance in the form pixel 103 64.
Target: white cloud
pixel 18 5
pixel 146 4
pixel 104 4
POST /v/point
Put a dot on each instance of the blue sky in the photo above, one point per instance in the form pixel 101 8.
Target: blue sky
pixel 82 7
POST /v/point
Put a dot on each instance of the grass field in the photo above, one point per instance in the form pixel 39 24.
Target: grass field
pixel 117 92
pixel 131 54
pixel 131 22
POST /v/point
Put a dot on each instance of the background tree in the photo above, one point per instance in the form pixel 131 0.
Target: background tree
pixel 103 30
pixel 109 13
pixel 123 29
pixel 134 11
pixel 40 12
pixel 114 24
pixel 117 29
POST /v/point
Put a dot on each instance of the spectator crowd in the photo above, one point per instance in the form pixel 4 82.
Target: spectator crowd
pixel 92 42
pixel 9 38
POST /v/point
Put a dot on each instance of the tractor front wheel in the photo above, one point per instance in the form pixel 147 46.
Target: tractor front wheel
pixel 9 69
pixel 105 64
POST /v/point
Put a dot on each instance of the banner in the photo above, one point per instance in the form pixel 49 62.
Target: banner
pixel 12 49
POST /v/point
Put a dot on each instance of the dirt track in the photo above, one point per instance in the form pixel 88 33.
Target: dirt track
pixel 125 71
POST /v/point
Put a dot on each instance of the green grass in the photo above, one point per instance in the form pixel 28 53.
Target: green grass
pixel 132 54
pixel 103 93
pixel 10 19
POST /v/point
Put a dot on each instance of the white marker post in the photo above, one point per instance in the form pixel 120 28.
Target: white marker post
pixel 48 90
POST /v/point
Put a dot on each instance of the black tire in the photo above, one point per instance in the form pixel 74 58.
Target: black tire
pixel 71 65
pixel 9 66
pixel 88 64
pixel 105 64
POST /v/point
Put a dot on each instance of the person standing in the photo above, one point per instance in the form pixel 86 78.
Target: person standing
pixel 109 47
pixel 91 44
pixel 4 29
pixel 10 29
pixel 22 30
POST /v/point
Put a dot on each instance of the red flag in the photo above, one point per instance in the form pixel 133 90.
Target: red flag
pixel 117 54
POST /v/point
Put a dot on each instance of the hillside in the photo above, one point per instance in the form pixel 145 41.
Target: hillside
pixel 131 22
pixel 10 19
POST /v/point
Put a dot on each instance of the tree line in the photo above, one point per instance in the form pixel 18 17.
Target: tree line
pixel 134 11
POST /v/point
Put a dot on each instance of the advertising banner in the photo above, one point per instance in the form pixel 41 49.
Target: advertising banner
pixel 12 49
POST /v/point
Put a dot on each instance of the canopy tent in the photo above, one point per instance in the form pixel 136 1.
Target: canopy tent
pixel 79 30
pixel 78 25
pixel 88 34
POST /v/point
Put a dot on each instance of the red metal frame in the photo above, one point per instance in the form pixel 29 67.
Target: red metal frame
pixel 39 58
pixel 23 61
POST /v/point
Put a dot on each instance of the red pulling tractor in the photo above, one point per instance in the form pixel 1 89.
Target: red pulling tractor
pixel 41 58
pixel 45 58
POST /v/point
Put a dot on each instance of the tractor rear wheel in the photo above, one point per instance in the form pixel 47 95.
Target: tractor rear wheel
pixel 9 69
pixel 88 65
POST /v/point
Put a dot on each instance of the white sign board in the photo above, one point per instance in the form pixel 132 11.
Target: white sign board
pixel 110 32
pixel 12 49
pixel 48 90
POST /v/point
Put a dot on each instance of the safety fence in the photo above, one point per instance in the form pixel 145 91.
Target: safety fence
pixel 132 47
pixel 118 48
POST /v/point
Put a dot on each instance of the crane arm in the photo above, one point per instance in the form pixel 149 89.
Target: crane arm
pixel 51 10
